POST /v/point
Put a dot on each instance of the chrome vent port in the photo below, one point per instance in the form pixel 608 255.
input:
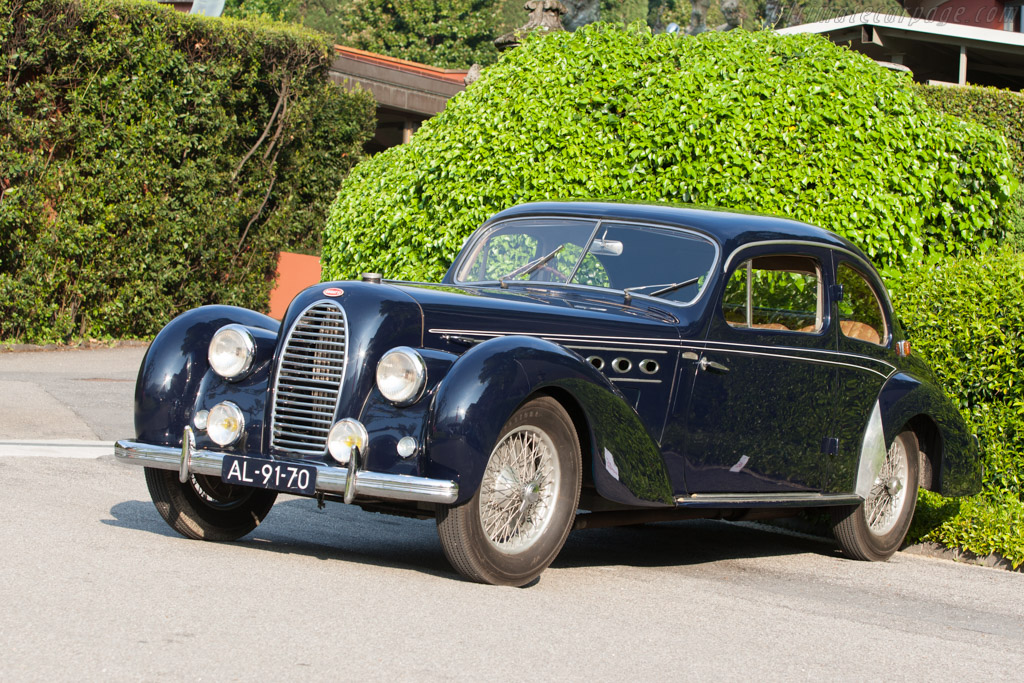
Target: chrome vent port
pixel 649 366
pixel 308 383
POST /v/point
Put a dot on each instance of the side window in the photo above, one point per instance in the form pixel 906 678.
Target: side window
pixel 860 311
pixel 775 293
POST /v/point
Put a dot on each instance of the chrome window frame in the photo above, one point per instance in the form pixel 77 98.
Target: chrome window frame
pixel 819 312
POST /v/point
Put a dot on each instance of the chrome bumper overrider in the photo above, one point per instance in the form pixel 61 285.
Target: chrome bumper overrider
pixel 328 479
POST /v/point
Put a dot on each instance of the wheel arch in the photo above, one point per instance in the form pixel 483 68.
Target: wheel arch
pixel 929 444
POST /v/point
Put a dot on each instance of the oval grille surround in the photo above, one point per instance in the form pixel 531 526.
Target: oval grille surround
pixel 307 386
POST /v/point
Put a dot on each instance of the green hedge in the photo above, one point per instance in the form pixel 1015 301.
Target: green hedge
pixel 965 317
pixel 785 124
pixel 1003 112
pixel 152 161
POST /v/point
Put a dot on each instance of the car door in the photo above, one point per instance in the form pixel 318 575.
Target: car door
pixel 864 344
pixel 760 409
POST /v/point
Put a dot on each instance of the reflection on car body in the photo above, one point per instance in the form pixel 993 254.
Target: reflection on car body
pixel 580 365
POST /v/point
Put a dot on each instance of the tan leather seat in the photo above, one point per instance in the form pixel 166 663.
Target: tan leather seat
pixel 859 330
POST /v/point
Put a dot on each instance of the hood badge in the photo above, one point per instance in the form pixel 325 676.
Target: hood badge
pixel 333 291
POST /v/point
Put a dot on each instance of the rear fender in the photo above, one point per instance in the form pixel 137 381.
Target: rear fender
pixel 905 399
pixel 490 381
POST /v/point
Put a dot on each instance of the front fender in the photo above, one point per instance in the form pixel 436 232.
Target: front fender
pixel 906 397
pixel 175 367
pixel 486 385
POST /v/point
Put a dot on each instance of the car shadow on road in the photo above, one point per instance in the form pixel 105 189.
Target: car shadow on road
pixel 347 533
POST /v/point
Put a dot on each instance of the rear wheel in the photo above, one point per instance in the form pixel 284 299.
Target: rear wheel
pixel 875 529
pixel 206 508
pixel 518 520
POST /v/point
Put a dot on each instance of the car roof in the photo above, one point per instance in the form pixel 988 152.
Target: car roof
pixel 732 229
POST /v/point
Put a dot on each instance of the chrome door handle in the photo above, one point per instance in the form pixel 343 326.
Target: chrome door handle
pixel 712 366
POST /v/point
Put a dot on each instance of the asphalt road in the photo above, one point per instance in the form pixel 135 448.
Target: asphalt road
pixel 95 586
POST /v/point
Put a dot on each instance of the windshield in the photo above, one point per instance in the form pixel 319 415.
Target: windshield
pixel 670 263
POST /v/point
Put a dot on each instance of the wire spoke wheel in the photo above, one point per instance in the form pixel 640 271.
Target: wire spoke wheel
pixel 518 490
pixel 875 529
pixel 517 521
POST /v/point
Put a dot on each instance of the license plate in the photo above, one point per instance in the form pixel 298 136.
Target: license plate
pixel 269 474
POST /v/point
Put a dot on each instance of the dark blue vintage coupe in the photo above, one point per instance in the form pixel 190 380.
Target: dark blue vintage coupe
pixel 581 365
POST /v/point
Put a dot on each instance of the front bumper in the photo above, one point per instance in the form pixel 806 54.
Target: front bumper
pixel 329 479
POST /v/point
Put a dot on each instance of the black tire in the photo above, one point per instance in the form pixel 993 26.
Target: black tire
pixel 546 502
pixel 205 508
pixel 862 539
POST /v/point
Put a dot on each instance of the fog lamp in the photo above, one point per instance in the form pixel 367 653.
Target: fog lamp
pixel 346 435
pixel 225 423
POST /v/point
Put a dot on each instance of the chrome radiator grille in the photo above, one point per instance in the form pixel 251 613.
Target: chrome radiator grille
pixel 308 382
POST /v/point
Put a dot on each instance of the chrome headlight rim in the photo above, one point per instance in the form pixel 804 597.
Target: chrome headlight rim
pixel 413 390
pixel 247 344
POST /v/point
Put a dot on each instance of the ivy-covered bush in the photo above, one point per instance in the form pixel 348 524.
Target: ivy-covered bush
pixel 791 125
pixel 152 161
pixel 965 317
pixel 1003 112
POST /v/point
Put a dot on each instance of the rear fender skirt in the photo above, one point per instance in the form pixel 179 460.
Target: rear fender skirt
pixel 905 397
pixel 486 385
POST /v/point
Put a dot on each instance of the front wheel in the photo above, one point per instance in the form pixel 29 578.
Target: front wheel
pixel 206 508
pixel 875 529
pixel 518 520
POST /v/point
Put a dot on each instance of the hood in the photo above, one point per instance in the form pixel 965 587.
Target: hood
pixel 479 313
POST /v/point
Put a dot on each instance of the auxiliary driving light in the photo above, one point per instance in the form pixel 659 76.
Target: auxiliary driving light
pixel 225 423
pixel 231 351
pixel 345 435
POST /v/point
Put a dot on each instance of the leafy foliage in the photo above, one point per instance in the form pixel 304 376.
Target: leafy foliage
pixel 964 316
pixel 151 162
pixel 1003 112
pixel 788 125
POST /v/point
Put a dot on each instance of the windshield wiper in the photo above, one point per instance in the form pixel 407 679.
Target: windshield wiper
pixel 665 289
pixel 530 267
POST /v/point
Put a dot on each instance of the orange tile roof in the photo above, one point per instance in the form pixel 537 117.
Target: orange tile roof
pixel 452 75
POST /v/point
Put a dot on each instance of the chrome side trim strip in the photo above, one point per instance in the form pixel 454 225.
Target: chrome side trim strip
pixel 724 347
pixel 328 479
pixel 800 499
pixel 630 379
pixel 612 348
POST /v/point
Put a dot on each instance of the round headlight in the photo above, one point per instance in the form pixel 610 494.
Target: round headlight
pixel 232 350
pixel 225 423
pixel 401 374
pixel 345 435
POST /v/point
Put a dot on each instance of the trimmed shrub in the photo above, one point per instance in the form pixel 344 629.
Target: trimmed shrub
pixel 965 318
pixel 1003 112
pixel 791 125
pixel 152 161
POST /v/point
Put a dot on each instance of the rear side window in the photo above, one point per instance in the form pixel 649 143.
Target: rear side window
pixel 775 293
pixel 860 311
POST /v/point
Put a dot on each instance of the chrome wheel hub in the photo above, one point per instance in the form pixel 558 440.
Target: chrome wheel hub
pixel 518 490
pixel 888 494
